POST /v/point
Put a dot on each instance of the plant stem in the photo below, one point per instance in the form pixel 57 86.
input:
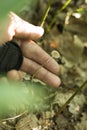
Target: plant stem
pixel 46 13
pixel 56 15
pixel 69 100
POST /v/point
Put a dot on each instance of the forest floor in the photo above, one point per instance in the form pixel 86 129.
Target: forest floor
pixel 67 44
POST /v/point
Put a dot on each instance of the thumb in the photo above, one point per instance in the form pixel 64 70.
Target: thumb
pixel 25 30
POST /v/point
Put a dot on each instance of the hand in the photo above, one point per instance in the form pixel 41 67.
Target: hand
pixel 35 60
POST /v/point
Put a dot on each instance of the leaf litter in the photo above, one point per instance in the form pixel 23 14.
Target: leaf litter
pixel 69 48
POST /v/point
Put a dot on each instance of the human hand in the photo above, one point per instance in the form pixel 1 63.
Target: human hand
pixel 35 60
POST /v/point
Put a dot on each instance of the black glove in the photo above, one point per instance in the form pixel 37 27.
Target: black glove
pixel 10 57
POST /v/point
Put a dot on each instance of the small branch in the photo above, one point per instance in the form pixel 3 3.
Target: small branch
pixel 46 13
pixel 56 15
pixel 70 99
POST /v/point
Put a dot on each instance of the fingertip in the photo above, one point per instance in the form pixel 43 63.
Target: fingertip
pixel 40 31
pixel 52 80
pixel 57 83
pixel 14 75
pixel 35 32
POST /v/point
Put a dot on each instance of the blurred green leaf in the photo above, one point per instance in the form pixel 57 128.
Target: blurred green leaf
pixel 17 97
pixel 80 10
pixel 13 5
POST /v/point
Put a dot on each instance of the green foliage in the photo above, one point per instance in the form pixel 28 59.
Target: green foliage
pixel 12 5
pixel 17 97
pixel 80 10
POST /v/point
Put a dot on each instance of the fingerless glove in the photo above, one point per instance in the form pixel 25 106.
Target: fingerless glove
pixel 10 57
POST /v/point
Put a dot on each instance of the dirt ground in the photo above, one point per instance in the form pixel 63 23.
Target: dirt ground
pixel 67 44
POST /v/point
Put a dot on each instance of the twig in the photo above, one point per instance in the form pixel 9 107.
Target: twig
pixel 46 13
pixel 15 117
pixel 69 100
pixel 56 15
